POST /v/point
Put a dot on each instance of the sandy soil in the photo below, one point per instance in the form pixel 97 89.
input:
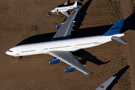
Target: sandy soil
pixel 26 22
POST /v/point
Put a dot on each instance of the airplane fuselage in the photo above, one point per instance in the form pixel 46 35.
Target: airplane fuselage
pixel 60 45
pixel 59 9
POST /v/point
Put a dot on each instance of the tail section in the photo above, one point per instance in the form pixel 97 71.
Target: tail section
pixel 115 32
pixel 75 4
pixel 115 29
pixel 105 85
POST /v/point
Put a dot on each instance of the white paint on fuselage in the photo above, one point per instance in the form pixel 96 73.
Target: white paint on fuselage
pixel 60 45
pixel 66 8
pixel 60 9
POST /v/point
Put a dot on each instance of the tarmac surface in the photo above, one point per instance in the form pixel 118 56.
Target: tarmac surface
pixel 25 21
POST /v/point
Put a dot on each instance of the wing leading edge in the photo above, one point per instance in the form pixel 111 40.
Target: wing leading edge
pixel 68 58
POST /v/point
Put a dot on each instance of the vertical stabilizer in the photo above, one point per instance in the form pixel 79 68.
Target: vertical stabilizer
pixel 75 4
pixel 106 84
pixel 115 29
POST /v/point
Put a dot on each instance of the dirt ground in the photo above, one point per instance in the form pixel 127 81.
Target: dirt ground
pixel 25 21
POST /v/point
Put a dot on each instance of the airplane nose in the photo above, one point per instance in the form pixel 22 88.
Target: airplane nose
pixel 6 52
pixel 9 53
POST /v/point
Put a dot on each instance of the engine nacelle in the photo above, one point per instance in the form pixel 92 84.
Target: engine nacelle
pixel 54 61
pixel 59 25
pixel 70 69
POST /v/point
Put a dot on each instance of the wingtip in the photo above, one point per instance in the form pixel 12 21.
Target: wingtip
pixel 89 73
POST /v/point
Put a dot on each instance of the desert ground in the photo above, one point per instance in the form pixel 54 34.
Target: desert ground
pixel 25 21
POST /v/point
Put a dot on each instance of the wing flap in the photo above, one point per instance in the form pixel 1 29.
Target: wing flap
pixel 68 58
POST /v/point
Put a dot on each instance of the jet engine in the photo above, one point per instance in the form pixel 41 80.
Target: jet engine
pixel 54 61
pixel 59 25
pixel 71 69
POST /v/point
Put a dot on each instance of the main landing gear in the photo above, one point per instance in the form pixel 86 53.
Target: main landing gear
pixel 20 57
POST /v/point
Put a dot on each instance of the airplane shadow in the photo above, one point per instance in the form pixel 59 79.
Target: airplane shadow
pixel 81 14
pixel 86 56
pixel 118 75
pixel 37 38
pixel 90 31
pixel 129 23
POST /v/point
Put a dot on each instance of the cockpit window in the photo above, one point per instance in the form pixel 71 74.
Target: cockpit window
pixel 10 51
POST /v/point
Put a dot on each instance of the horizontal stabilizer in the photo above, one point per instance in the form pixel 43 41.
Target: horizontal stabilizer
pixel 119 39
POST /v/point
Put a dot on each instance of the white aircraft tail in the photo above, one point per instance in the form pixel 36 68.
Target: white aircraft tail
pixel 105 85
pixel 75 4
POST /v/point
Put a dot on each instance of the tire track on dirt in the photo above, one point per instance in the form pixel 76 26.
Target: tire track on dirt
pixel 19 10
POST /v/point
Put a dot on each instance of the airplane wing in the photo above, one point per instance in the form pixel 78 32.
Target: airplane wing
pixel 65 29
pixel 65 4
pixel 65 13
pixel 63 33
pixel 105 85
pixel 68 58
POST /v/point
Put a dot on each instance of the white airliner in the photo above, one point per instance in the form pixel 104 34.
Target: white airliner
pixel 64 8
pixel 105 85
pixel 61 46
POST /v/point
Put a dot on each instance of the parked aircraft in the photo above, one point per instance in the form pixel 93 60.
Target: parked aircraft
pixel 61 46
pixel 64 8
pixel 106 83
